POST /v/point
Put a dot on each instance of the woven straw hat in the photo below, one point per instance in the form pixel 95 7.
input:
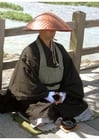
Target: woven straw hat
pixel 48 21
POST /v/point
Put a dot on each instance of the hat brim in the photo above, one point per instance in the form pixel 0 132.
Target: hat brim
pixel 48 21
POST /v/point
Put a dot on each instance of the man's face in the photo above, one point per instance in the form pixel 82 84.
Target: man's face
pixel 47 34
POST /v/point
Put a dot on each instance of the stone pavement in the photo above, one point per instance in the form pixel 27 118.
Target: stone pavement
pixel 89 129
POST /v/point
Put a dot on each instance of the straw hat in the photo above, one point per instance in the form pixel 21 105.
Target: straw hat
pixel 48 21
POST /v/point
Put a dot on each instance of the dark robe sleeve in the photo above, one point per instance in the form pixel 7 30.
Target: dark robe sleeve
pixel 71 82
pixel 25 82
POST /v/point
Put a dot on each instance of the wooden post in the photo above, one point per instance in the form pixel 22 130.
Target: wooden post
pixel 2 35
pixel 77 36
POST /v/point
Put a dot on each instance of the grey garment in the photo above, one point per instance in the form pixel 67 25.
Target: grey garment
pixel 49 75
pixel 84 116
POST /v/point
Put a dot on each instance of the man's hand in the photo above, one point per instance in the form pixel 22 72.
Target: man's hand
pixel 61 97
pixel 56 97
pixel 58 101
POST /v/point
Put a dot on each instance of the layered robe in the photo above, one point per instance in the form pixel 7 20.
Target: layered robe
pixel 29 92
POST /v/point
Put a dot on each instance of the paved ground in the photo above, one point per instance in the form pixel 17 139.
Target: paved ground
pixel 90 129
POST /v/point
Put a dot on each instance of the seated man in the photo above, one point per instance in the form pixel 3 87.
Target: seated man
pixel 45 83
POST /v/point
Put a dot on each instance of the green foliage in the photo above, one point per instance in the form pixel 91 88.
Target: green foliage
pixel 11 6
pixel 20 16
pixel 5 55
pixel 14 13
pixel 90 4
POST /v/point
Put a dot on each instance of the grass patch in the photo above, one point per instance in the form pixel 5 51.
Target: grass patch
pixel 13 15
pixel 11 6
pixel 15 12
pixel 89 4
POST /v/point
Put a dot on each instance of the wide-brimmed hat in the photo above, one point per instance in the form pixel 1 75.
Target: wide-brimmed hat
pixel 48 21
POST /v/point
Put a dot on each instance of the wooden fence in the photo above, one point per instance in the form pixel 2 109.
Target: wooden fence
pixel 76 50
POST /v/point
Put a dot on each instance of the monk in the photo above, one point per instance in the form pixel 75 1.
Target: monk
pixel 45 84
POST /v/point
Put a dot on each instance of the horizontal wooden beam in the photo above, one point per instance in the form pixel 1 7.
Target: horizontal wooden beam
pixel 92 23
pixel 9 64
pixel 18 31
pixel 90 50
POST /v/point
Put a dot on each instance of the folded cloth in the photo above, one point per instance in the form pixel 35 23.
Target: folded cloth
pixel 40 122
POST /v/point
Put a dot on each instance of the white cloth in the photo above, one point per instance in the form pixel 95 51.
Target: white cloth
pixel 40 122
pixel 50 97
pixel 63 95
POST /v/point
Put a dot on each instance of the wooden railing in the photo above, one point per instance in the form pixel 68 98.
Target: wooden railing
pixel 76 50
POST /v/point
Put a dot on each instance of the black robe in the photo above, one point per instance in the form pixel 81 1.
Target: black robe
pixel 26 87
